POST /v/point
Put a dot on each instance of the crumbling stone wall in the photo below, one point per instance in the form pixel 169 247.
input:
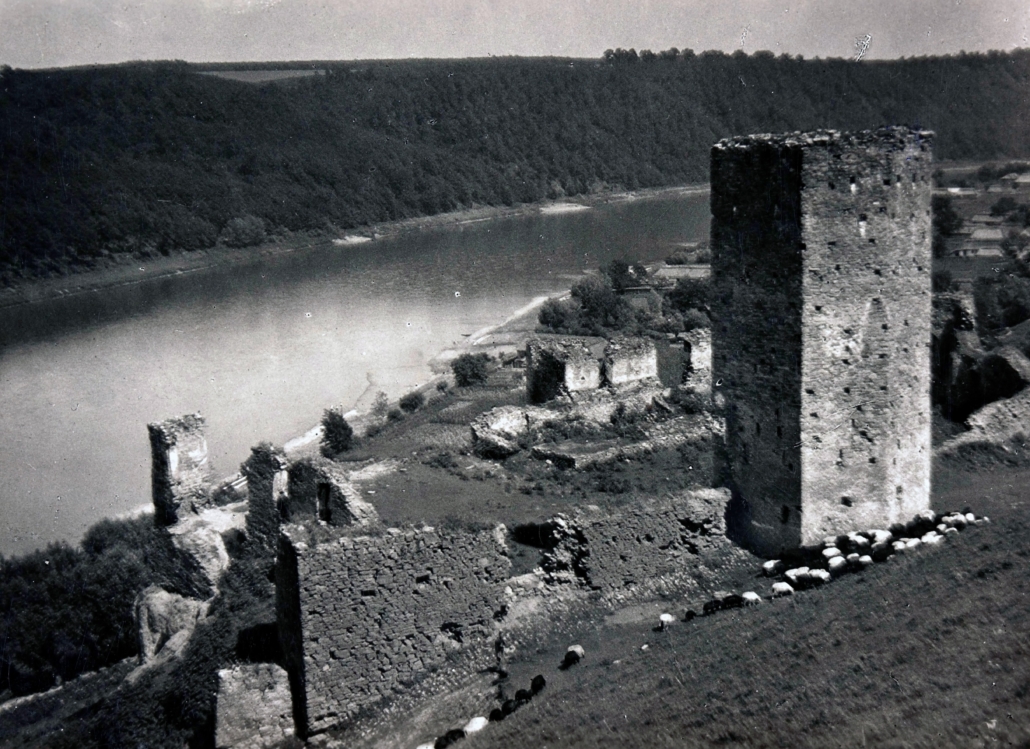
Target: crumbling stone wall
pixel 697 345
pixel 821 328
pixel 179 467
pixel 610 551
pixel 629 360
pixel 363 616
pixel 267 474
pixel 559 365
pixel 253 707
pixel 319 488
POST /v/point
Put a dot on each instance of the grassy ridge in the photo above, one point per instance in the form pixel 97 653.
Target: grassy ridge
pixel 151 158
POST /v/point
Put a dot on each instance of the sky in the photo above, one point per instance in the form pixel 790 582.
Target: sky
pixel 57 33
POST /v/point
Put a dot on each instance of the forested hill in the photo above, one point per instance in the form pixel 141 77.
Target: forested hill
pixel 153 157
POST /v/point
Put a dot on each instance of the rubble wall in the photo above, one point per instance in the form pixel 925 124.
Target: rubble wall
pixel 179 467
pixel 630 360
pixel 363 616
pixel 253 707
pixel 821 329
pixel 610 551
pixel 267 493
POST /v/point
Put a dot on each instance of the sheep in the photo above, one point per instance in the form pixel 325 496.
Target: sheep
pixel 690 614
pixel 782 589
pixel 711 607
pixel 865 560
pixel 830 552
pixel 537 685
pixel 772 568
pixel 451 737
pixel 573 655
pixel 475 725
pixel 818 576
pixel 497 715
pixel 838 565
pixel 751 598
pixel 664 621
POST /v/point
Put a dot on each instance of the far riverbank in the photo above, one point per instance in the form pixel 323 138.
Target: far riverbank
pixel 128 269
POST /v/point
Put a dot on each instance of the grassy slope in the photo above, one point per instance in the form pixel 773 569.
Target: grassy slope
pixel 927 650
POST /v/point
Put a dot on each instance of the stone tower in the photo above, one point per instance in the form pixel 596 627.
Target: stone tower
pixel 821 329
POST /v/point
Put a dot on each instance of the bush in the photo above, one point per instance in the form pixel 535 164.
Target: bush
pixel 694 319
pixel 412 402
pixel 690 293
pixel 337 435
pixel 243 232
pixel 470 369
pixel 394 414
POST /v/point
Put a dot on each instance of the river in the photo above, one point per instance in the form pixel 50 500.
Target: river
pixel 261 349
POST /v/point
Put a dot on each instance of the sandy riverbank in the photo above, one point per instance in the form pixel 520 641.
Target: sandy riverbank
pixel 123 270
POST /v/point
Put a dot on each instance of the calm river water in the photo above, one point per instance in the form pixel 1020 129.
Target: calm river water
pixel 262 349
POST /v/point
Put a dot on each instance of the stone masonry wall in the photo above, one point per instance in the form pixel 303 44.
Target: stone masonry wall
pixel 363 616
pixel 560 364
pixel 821 328
pixel 267 493
pixel 610 551
pixel 630 360
pixel 179 467
pixel 319 488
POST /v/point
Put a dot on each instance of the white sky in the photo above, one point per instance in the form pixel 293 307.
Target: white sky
pixel 47 33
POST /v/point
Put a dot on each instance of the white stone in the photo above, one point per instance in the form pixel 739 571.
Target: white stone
pixel 853 558
pixel 475 725
pixel 831 552
pixel 865 560
pixel 782 589
pixel 838 564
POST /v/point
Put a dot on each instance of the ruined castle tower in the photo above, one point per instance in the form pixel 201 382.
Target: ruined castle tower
pixel 179 467
pixel 821 329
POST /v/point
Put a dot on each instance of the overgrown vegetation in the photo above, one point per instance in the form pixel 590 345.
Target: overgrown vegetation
pixel 596 307
pixel 64 610
pixel 152 158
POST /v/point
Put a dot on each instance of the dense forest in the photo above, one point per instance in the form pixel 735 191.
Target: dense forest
pixel 155 157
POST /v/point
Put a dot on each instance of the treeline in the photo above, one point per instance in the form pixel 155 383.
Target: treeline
pixel 153 157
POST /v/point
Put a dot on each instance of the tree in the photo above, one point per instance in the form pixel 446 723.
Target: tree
pixel 1004 206
pixel 945 222
pixel 337 434
pixel 470 369
pixel 380 406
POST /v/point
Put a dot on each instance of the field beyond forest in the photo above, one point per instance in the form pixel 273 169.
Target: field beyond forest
pixel 146 159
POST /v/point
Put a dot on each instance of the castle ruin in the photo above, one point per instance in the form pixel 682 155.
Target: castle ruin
pixel 821 329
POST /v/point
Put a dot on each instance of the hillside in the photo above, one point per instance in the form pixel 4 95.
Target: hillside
pixel 153 158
